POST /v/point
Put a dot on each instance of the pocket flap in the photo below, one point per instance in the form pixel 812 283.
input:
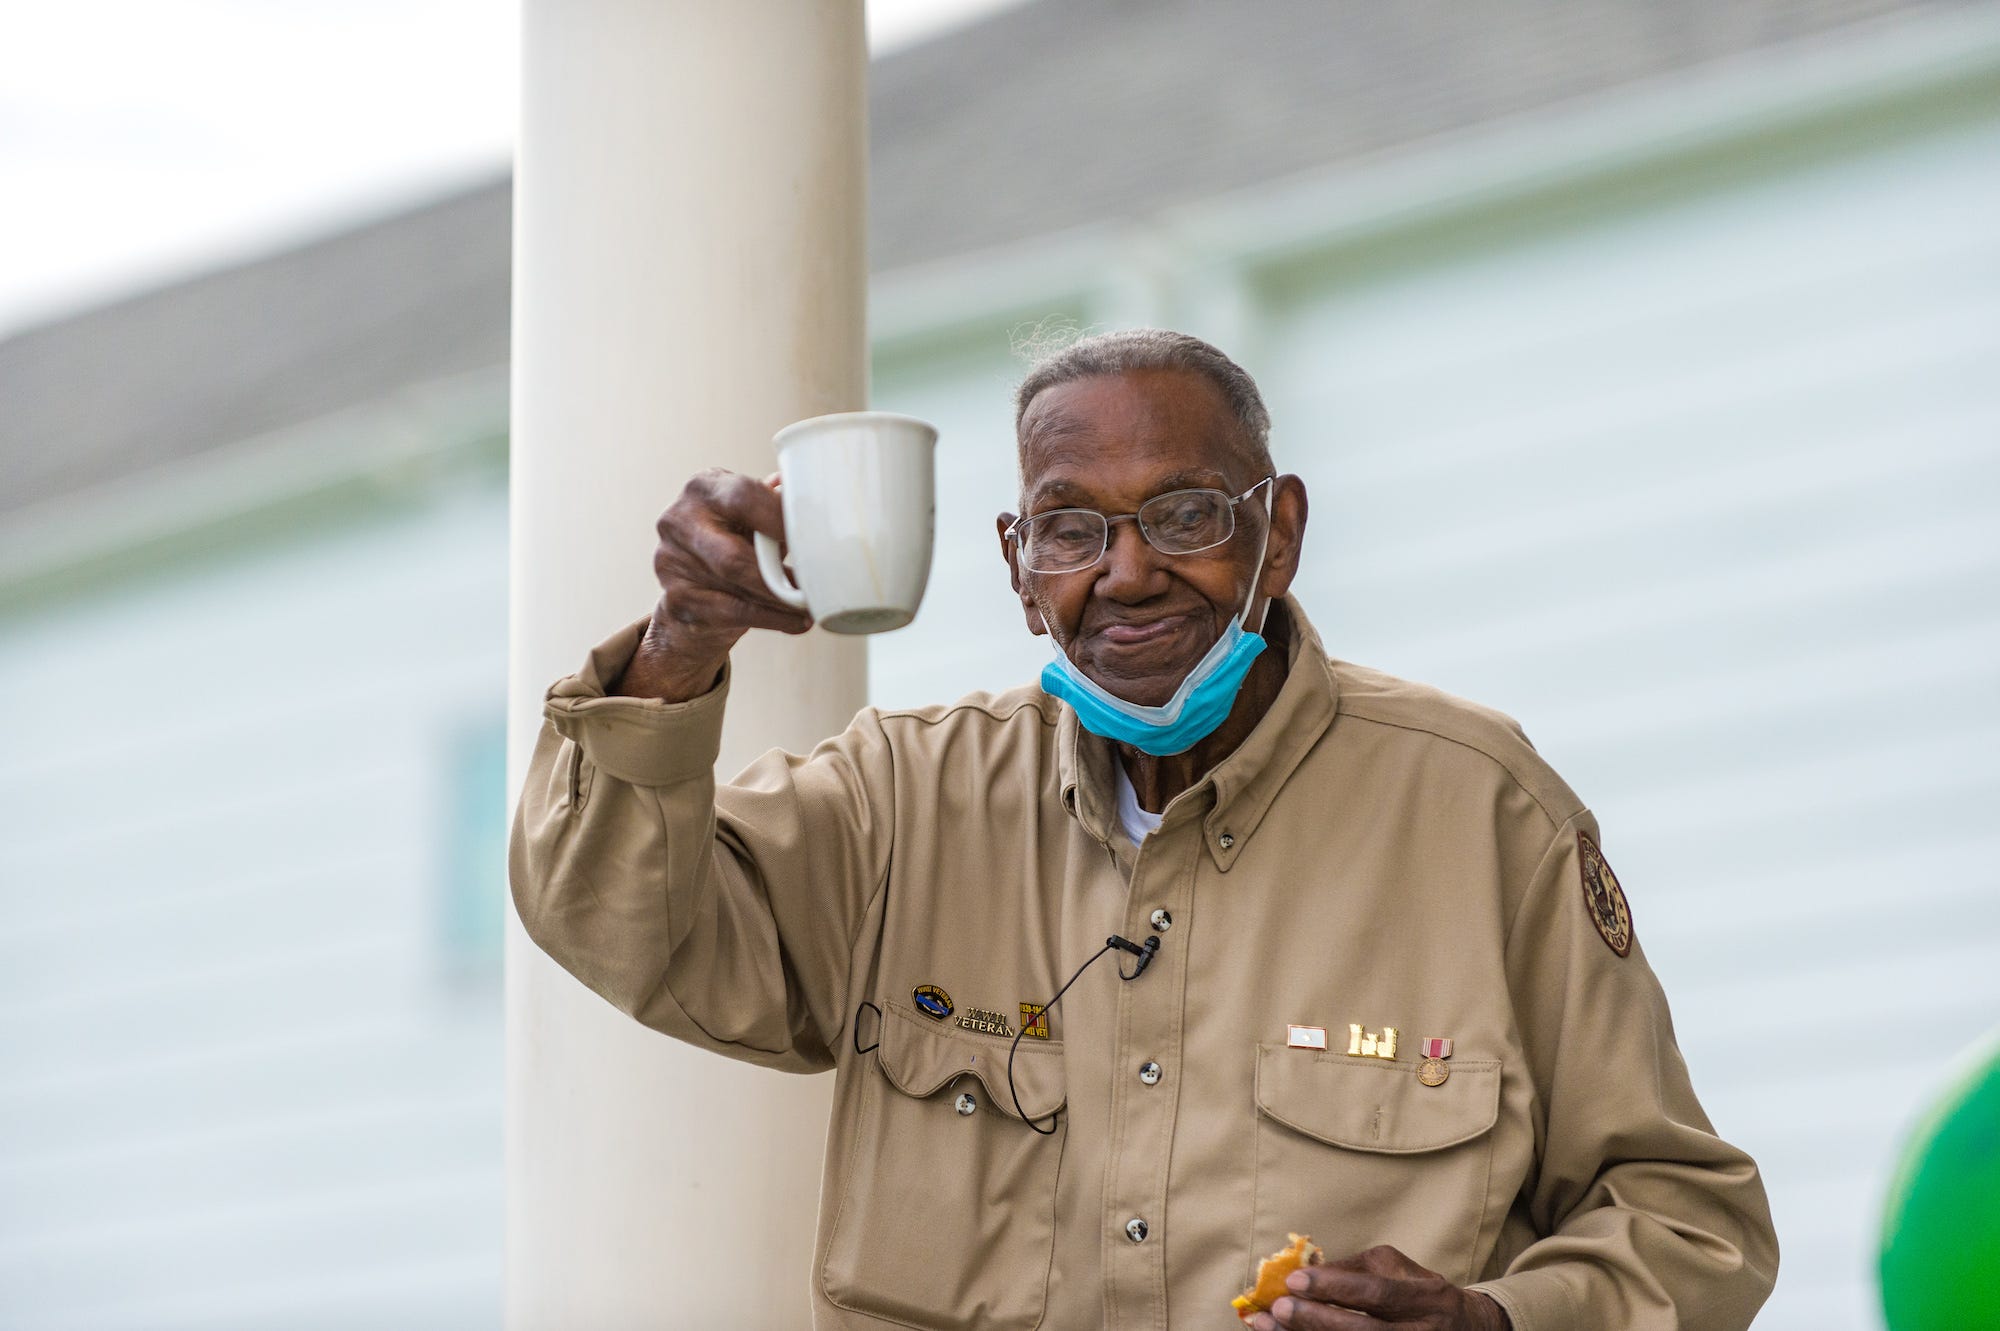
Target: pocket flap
pixel 919 1056
pixel 1375 1104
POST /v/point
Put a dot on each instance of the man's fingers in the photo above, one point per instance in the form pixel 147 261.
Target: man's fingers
pixel 1386 1259
pixel 1301 1315
pixel 707 610
pixel 712 590
pixel 1348 1287
pixel 744 504
pixel 1381 1282
pixel 702 555
pixel 723 559
pixel 738 612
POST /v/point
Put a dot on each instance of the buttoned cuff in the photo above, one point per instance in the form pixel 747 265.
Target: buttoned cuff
pixel 1538 1300
pixel 640 741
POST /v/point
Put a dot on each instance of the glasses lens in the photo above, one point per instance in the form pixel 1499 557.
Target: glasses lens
pixel 1069 538
pixel 1184 521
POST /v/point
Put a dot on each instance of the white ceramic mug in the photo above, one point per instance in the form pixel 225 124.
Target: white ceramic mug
pixel 859 499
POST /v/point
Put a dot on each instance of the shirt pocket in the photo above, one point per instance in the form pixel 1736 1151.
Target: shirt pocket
pixel 947 1218
pixel 1357 1152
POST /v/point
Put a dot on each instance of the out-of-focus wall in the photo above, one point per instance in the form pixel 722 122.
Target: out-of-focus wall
pixel 250 1039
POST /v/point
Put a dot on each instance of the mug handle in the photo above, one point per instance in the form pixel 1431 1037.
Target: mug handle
pixel 771 564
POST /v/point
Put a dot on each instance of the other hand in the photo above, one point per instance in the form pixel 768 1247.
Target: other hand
pixel 1378 1288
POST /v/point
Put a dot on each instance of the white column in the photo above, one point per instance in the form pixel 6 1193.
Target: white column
pixel 689 275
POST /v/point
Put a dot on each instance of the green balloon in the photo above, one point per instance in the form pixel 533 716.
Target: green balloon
pixel 1941 1235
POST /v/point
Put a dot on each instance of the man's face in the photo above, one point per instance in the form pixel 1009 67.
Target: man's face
pixel 1137 621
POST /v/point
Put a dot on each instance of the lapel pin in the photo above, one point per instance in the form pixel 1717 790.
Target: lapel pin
pixel 1367 1044
pixel 931 1001
pixel 1035 1020
pixel 1305 1037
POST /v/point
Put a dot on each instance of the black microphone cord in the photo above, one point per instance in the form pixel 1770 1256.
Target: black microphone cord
pixel 1145 955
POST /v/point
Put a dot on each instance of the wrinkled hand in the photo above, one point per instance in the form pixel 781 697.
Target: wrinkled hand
pixel 711 593
pixel 1378 1288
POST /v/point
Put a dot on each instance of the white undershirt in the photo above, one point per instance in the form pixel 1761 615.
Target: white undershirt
pixel 1138 824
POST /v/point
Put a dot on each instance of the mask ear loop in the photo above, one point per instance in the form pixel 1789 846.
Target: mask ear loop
pixel 1263 548
pixel 1048 620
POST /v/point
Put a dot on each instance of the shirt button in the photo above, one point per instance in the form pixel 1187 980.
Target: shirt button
pixel 1135 1230
pixel 966 1104
pixel 1162 921
pixel 1225 841
pixel 1149 1073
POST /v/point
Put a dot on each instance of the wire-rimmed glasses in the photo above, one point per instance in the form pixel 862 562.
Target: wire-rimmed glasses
pixel 1179 522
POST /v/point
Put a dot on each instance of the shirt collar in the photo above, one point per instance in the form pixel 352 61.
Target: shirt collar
pixel 1235 794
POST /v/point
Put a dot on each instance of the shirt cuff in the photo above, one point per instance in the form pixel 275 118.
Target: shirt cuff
pixel 640 741
pixel 1539 1300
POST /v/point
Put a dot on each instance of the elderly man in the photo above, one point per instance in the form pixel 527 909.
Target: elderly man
pixel 1382 986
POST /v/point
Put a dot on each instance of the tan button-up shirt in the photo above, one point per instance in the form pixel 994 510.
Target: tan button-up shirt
pixel 1375 856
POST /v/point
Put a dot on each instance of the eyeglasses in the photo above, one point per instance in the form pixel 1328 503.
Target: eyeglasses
pixel 1179 522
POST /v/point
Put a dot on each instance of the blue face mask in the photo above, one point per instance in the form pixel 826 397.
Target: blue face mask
pixel 1199 705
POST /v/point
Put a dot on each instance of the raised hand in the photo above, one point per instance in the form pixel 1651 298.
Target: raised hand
pixel 711 593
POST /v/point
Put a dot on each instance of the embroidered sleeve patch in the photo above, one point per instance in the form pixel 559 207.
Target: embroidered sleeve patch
pixel 1605 899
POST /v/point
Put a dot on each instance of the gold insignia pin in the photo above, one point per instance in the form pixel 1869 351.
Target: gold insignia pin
pixel 1367 1044
pixel 985 1021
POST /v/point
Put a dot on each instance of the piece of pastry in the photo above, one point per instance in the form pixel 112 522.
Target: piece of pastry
pixel 1271 1273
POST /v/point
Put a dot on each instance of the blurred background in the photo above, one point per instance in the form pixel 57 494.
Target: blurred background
pixel 1643 363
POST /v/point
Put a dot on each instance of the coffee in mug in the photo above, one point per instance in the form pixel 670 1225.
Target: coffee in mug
pixel 859 500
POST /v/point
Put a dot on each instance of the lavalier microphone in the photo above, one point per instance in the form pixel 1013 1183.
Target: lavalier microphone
pixel 1144 954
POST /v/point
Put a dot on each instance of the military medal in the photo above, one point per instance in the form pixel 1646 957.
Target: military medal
pixel 1432 1071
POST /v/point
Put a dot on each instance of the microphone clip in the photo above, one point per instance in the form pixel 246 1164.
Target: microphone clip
pixel 1144 953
